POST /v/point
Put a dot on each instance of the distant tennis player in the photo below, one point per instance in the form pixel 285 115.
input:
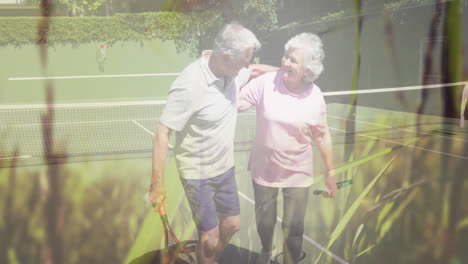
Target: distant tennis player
pixel 291 112
pixel 202 109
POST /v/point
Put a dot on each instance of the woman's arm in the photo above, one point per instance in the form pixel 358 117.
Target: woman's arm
pixel 323 141
pixel 259 69
pixel 249 92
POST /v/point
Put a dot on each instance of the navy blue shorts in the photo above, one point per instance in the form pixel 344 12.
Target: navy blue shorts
pixel 211 197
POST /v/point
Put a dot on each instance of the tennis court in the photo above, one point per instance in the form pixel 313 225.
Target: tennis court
pixel 406 135
pixel 130 72
pixel 124 130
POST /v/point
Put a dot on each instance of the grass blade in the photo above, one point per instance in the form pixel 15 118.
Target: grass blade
pixel 350 165
pixel 352 210
pixel 395 215
pixel 364 251
pixel 385 211
pixel 358 232
pixel 462 224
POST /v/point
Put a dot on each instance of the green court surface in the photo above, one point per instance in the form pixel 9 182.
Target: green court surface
pixel 114 132
pixel 322 213
pixel 132 72
pixel 375 144
pixel 76 76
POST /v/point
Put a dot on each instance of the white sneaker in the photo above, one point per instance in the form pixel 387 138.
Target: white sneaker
pixel 266 257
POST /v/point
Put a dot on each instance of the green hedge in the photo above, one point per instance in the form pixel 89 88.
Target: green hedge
pixel 19 31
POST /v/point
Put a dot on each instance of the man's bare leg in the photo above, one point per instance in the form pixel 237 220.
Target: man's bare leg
pixel 206 247
pixel 229 225
pixel 212 243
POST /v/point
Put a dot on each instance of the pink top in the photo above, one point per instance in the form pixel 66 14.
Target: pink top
pixel 282 152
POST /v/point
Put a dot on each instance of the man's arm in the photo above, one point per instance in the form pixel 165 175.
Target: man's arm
pixel 323 140
pixel 259 69
pixel 157 188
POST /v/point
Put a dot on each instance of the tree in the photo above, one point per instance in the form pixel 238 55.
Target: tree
pixel 74 7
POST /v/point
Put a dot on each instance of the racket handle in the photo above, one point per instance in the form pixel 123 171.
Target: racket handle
pixel 162 210
pixel 344 184
pixel 339 185
pixel 325 192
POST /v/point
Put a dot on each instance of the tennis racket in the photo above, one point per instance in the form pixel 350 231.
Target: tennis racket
pixel 279 258
pixel 181 251
pixel 339 185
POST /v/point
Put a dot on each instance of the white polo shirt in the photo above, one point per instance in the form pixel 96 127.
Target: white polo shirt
pixel 202 109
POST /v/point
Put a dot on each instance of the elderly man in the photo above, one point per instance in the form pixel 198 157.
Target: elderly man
pixel 202 109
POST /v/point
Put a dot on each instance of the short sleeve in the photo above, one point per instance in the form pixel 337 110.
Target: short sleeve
pixel 179 108
pixel 322 124
pixel 251 92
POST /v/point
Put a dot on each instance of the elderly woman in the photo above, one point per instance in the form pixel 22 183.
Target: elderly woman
pixel 290 108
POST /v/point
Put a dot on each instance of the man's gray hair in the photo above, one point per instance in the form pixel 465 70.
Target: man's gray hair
pixel 311 45
pixel 234 39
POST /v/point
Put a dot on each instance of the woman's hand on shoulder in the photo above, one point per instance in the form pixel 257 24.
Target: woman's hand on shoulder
pixel 257 70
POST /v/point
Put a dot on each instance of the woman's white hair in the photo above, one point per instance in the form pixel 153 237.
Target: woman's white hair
pixel 234 39
pixel 311 45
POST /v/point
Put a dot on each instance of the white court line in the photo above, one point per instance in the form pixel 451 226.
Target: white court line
pixel 308 239
pixel 151 133
pixel 411 146
pixel 393 89
pixel 408 88
pixel 84 122
pixel 402 129
pixel 78 105
pixel 93 76
pixel 144 128
pixel 16 157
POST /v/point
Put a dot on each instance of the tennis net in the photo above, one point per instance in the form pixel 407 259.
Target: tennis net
pixel 83 131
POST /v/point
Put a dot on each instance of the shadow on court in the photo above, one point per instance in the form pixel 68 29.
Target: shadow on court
pixel 231 255
pixel 175 255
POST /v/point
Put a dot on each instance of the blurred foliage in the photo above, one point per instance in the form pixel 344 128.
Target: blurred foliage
pixel 395 222
pixel 405 217
pixel 382 220
pixel 107 217
pixel 102 213
pixel 353 208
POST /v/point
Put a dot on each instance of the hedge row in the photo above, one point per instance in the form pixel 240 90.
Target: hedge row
pixel 19 31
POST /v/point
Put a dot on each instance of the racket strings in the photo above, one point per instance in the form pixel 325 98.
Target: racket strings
pixel 180 246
